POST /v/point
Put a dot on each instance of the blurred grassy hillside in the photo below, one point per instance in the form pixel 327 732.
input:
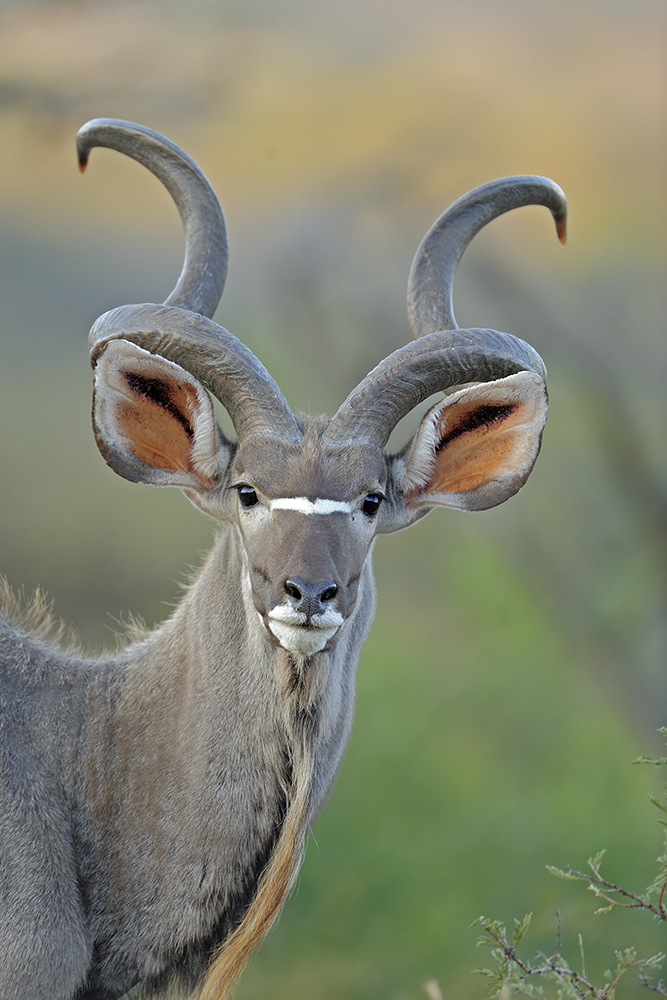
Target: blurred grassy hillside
pixel 517 661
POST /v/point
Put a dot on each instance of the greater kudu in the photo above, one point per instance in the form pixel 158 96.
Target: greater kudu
pixel 154 805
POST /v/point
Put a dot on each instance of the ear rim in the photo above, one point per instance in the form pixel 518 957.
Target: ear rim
pixel 211 450
pixel 412 470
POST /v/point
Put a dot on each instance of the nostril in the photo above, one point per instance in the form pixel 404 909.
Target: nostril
pixel 292 590
pixel 310 597
pixel 329 593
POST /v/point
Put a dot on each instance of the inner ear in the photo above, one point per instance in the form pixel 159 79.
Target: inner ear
pixel 153 421
pixel 477 447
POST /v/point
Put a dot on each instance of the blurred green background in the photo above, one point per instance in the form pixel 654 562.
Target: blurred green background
pixel 517 661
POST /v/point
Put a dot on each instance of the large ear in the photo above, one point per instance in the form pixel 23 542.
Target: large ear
pixel 154 422
pixel 477 447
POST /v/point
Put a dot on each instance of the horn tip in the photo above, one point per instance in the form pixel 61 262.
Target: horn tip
pixel 561 230
pixel 83 162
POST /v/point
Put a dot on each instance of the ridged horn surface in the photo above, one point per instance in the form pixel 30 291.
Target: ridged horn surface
pixel 430 305
pixel 221 362
pixel 431 364
pixel 180 329
pixel 206 251
pixel 443 356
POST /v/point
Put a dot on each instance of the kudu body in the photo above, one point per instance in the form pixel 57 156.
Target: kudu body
pixel 154 804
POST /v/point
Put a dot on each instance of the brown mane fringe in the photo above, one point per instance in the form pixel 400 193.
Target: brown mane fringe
pixel 305 686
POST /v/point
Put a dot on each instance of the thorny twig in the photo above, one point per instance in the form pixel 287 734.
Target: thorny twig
pixel 554 967
pixel 512 972
pixel 601 886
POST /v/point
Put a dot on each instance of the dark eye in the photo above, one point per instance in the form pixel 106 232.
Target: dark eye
pixel 247 496
pixel 371 504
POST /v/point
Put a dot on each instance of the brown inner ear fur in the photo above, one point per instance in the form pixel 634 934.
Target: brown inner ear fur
pixel 478 443
pixel 155 419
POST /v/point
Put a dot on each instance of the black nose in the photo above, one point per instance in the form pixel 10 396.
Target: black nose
pixel 310 598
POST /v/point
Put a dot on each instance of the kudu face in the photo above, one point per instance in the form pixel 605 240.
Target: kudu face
pixel 307 514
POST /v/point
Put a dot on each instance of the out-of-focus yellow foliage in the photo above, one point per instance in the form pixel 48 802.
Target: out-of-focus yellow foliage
pixel 470 92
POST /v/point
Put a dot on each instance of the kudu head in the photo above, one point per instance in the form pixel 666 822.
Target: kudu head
pixel 308 496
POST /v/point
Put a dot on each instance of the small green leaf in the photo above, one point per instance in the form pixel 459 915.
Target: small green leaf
pixel 520 928
pixel 595 862
pixel 484 972
pixel 559 873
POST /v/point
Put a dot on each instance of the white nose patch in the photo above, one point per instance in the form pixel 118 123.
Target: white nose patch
pixel 305 506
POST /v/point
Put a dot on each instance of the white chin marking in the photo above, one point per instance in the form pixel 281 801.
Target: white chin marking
pixel 305 506
pixel 290 629
pixel 299 638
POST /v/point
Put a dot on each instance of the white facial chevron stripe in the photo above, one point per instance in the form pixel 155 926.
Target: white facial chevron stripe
pixel 305 506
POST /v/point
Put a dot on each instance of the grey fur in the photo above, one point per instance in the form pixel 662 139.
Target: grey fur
pixel 141 795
